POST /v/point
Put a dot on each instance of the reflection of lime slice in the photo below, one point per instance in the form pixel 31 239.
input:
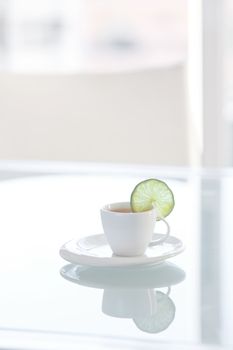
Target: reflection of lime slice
pixel 162 318
pixel 152 192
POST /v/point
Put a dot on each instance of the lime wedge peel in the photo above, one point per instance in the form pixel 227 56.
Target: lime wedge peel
pixel 152 193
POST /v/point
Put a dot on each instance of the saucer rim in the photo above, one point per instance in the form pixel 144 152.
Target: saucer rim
pixel 115 261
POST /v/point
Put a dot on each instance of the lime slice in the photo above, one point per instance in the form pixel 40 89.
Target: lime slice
pixel 152 193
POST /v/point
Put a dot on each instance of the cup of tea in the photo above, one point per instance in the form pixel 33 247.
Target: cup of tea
pixel 129 233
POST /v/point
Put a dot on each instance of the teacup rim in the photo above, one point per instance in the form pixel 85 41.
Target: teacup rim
pixel 106 208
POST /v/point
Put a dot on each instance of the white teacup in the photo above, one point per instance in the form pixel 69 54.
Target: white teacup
pixel 129 233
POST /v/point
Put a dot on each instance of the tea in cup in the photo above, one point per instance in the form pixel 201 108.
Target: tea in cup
pixel 129 233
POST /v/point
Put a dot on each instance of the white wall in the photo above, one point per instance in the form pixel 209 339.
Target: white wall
pixel 137 117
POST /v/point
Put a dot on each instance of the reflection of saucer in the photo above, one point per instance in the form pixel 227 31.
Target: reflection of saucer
pixel 148 276
pixel 130 292
pixel 95 251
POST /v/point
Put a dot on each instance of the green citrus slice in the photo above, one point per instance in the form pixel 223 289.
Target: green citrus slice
pixel 152 193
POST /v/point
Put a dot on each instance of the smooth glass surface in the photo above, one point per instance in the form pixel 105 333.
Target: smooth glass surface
pixel 186 300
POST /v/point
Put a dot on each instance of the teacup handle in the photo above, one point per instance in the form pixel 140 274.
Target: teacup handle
pixel 164 238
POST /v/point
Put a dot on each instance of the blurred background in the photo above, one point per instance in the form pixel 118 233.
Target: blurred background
pixel 141 82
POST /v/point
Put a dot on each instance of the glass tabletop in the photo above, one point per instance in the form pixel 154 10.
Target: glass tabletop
pixel 184 300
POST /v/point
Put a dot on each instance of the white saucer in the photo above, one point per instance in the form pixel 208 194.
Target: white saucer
pixel 95 251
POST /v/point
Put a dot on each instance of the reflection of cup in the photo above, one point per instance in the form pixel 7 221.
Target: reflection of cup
pixel 152 311
pixel 130 292
pixel 129 303
pixel 129 233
